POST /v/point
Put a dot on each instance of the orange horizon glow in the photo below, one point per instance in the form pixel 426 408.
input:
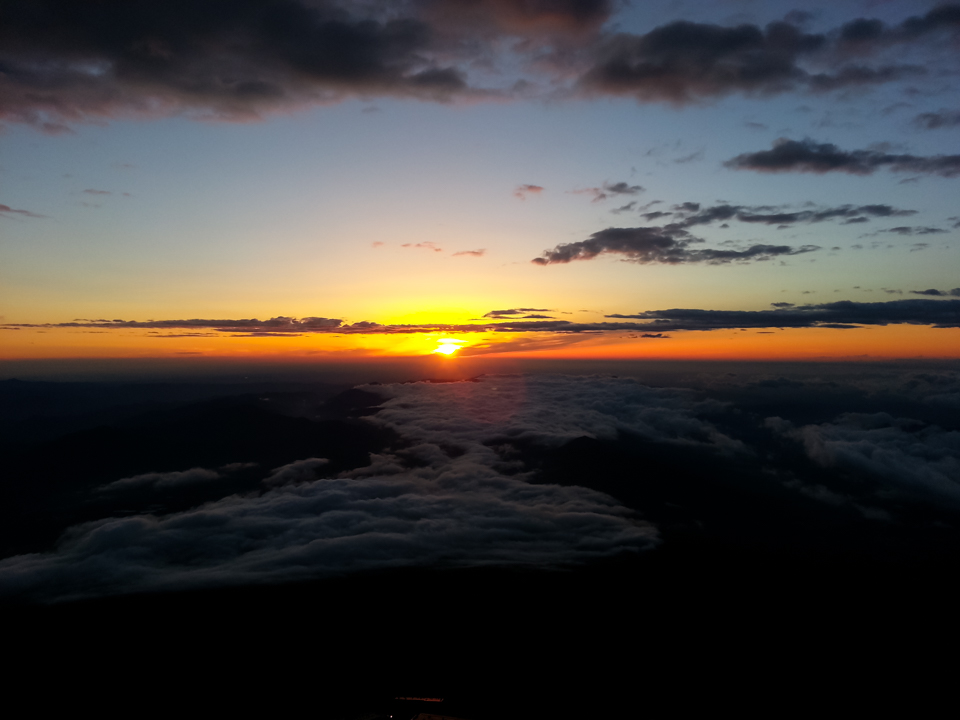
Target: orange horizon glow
pixel 888 342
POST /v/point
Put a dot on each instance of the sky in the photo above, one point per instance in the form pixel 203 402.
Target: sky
pixel 334 181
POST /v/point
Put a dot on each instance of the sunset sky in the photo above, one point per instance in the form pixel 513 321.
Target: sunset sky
pixel 567 178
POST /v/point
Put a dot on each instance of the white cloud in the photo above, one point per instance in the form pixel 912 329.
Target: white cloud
pixel 453 495
pixel 904 456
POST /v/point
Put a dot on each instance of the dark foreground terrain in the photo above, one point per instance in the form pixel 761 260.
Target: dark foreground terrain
pixel 662 636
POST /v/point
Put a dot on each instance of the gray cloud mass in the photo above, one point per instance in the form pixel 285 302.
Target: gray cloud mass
pixel 70 61
pixel 683 62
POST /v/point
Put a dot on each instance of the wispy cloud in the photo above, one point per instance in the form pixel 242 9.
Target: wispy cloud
pixel 937 293
pixel 937 120
pixel 609 190
pixel 6 210
pixel 423 245
pixel 522 191
pixel 514 312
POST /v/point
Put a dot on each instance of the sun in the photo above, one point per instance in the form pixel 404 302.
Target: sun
pixel 448 346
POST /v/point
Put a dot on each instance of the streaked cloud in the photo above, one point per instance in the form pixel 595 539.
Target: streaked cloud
pixel 7 211
pixel 810 156
pixel 522 191
pixel 841 314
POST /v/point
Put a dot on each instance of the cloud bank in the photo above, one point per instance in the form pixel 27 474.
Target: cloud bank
pixel 939 313
pixel 7 211
pixel 684 62
pixel 660 245
pixel 548 471
pixel 452 494
pixel 69 61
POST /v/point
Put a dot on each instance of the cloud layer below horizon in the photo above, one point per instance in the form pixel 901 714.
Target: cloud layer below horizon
pixel 452 494
pixel 461 485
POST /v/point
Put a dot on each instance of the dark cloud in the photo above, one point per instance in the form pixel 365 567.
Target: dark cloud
pixel 523 190
pixel 424 245
pixel 513 312
pixel 624 208
pixel 470 253
pixel 655 215
pixel 912 230
pixel 939 313
pixel 868 35
pixel 708 215
pixel 278 324
pixel 852 214
pixel 809 156
pixel 90 191
pixel 936 120
pixel 178 335
pixel 266 334
pixel 622 188
pixel 938 293
pixel 684 61
pixel 609 190
pixel 6 211
pixel 669 245
pixel 67 60
pixel 860 30
pixel 884 211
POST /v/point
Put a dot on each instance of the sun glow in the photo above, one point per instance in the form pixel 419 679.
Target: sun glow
pixel 448 346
